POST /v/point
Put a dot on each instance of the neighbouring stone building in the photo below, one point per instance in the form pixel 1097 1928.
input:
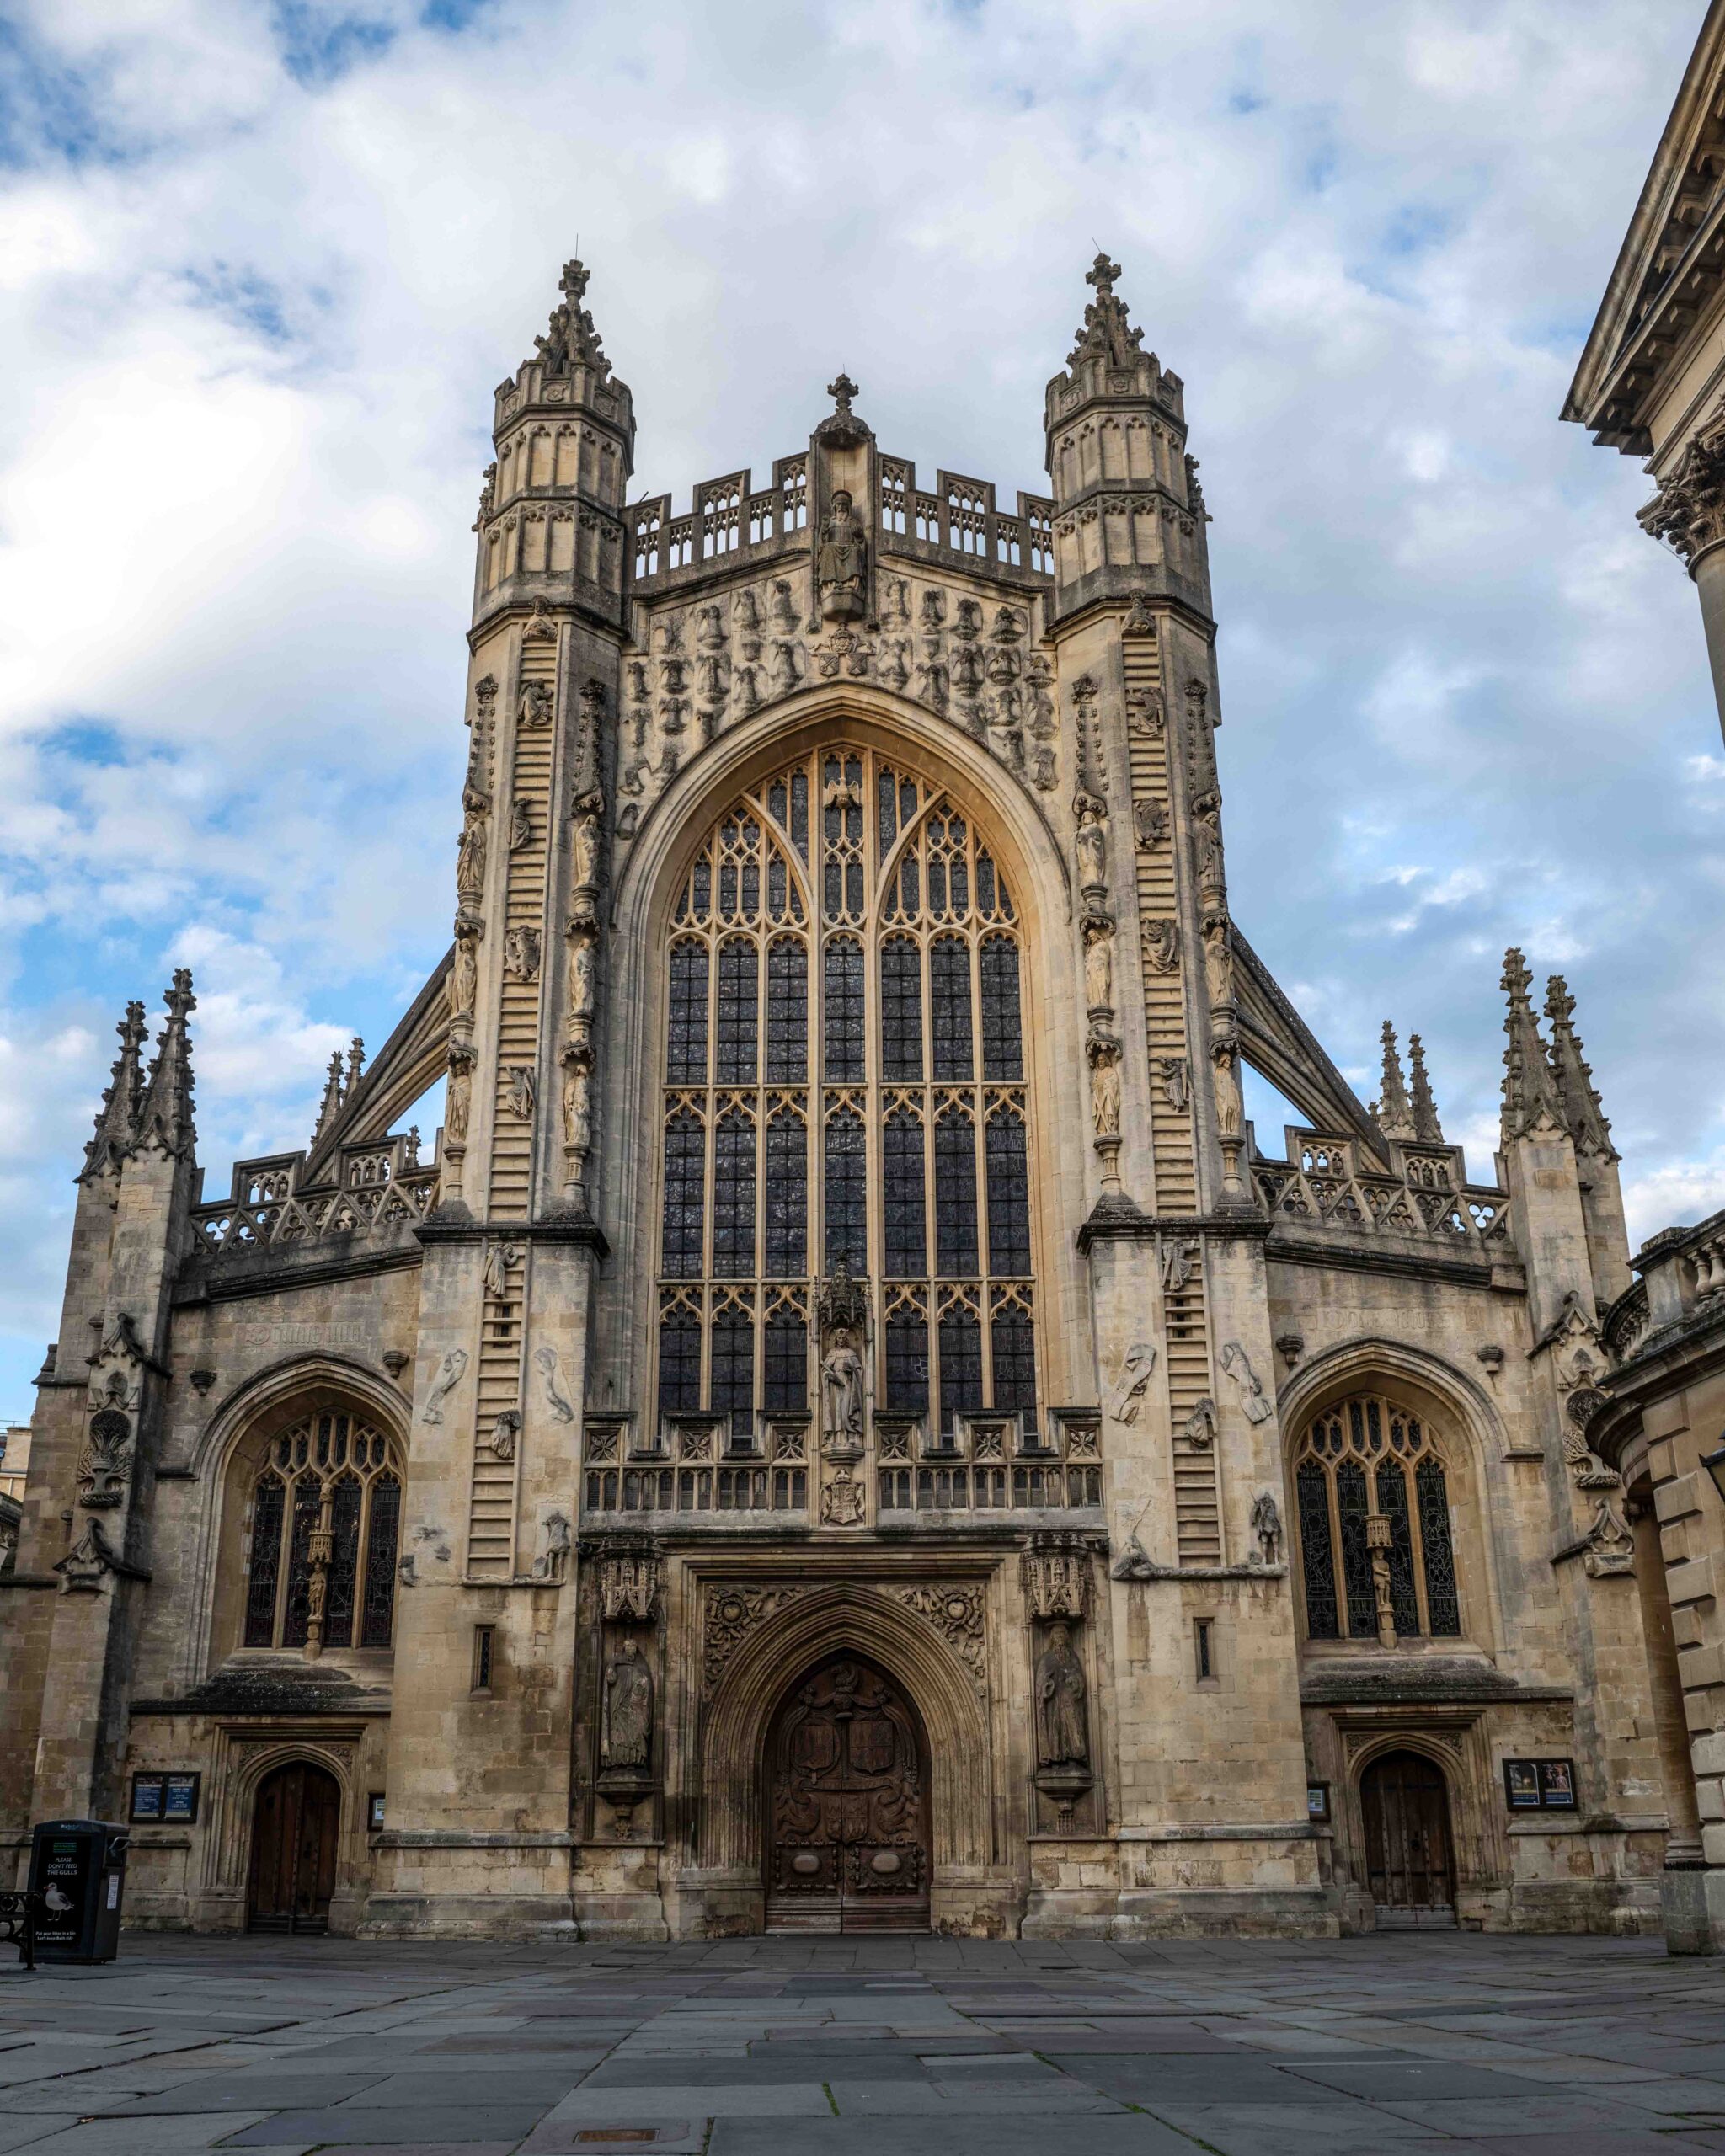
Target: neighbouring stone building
pixel 852 1429
pixel 1651 384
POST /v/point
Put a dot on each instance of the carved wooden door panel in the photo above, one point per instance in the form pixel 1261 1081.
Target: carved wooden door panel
pixel 293 1849
pixel 847 1807
pixel 1407 1814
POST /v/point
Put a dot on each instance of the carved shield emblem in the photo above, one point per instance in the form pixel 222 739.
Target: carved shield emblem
pixel 814 1748
pixel 847 1818
pixel 872 1746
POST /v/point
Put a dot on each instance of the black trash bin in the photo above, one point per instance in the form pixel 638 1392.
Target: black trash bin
pixel 78 1868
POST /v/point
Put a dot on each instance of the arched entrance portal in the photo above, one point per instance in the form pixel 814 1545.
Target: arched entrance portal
pixel 294 1826
pixel 1408 1852
pixel 846 1787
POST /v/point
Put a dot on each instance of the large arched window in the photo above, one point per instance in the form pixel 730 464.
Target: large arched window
pixel 325 1524
pixel 1375 1545
pixel 845 1091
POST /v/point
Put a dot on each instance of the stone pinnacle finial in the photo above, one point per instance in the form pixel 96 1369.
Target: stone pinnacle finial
pixel 165 1119
pixel 1107 334
pixel 1395 1114
pixel 1583 1110
pixel 117 1119
pixel 1426 1126
pixel 571 340
pixel 1530 1100
pixel 842 390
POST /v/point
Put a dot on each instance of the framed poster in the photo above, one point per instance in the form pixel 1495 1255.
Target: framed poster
pixel 181 1800
pixel 149 1792
pixel 1558 1785
pixel 1521 1784
pixel 374 1812
pixel 1317 1800
pixel 164 1799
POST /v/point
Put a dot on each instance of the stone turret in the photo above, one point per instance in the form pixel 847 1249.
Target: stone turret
pixel 1596 1157
pixel 117 1119
pixel 1426 1127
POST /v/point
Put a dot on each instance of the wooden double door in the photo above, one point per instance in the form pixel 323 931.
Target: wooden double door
pixel 1410 1859
pixel 293 1832
pixel 846 1802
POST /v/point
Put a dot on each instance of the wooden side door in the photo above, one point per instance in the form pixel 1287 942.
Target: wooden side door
pixel 1408 1855
pixel 294 1831
pixel 847 1826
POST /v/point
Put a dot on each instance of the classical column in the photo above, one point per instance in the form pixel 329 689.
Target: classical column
pixel 1688 514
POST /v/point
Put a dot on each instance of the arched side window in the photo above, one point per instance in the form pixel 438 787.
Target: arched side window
pixel 1376 1543
pixel 844 1090
pixel 325 1528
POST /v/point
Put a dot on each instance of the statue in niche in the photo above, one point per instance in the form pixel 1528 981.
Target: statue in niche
pixel 840 562
pixel 626 1737
pixel 1093 842
pixel 1173 1072
pixel 458 1103
pixel 583 965
pixel 1104 1056
pixel 523 1090
pixel 1231 1109
pixel 464 970
pixel 1061 1740
pixel 520 954
pixel 842 1390
pixel 538 704
pixel 588 810
pixel 470 848
pixel 1217 959
pixel 1099 962
pixel 1152 821
pixel 520 826
pixel 577 1105
pixel 1266 1526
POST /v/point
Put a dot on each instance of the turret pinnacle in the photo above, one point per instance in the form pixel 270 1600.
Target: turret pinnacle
pixel 117 1120
pixel 1426 1126
pixel 165 1119
pixel 1395 1113
pixel 1582 1109
pixel 1531 1101
pixel 1107 334
pixel 572 341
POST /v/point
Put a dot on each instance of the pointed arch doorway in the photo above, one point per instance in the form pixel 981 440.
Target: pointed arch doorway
pixel 1405 1805
pixel 844 1785
pixel 294 1825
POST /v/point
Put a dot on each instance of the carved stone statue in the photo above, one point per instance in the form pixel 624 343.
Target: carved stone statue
pixel 1099 963
pixel 458 1101
pixel 1231 1109
pixel 521 825
pixel 1104 1056
pixel 588 810
pixel 1238 1365
pixel 521 953
pixel 626 1737
pixel 538 704
pixel 464 971
pixel 1061 1739
pixel 1092 842
pixel 552 1565
pixel 470 849
pixel 1217 959
pixel 577 1105
pixel 1266 1526
pixel 842 1390
pixel 840 562
pixel 584 966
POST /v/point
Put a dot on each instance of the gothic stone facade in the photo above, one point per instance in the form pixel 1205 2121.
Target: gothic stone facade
pixel 853 1429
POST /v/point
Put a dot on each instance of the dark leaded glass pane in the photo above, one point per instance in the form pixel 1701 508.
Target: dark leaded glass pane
pixel 1008 1197
pixel 799 812
pixel 679 1363
pixel 377 1625
pixel 787 1198
pixel 955 1197
pixel 686 1054
pixel 1317 1555
pixel 1392 1503
pixel 733 1363
pixel 960 1365
pixel 907 1362
pixel 1002 1026
pixel 1356 1559
pixel 949 1009
pixel 734 1199
pixel 901 1010
pixel 777 885
pixel 843 1009
pixel 307 1494
pixel 344 1562
pixel 905 1236
pixel 266 1563
pixel 787 1012
pixel 887 791
pixel 738 1020
pixel 1443 1605
pixel 1012 1345
pixel 785 1363
pixel 685 1194
pixel 984 883
pixel 846 1194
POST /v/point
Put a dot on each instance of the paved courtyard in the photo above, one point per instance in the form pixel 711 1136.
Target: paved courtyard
pixel 898 2047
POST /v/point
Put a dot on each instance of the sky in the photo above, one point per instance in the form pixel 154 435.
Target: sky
pixel 261 266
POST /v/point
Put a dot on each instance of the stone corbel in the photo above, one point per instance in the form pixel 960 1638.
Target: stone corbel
pixel 81 1570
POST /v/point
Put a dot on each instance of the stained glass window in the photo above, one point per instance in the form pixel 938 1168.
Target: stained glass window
pixel 1353 1466
pixel 845 1085
pixel 326 1474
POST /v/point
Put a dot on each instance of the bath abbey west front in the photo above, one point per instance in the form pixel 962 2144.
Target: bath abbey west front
pixel 853 1430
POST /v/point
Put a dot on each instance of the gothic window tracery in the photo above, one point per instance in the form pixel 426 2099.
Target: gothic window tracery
pixel 1368 1473
pixel 327 1500
pixel 844 1087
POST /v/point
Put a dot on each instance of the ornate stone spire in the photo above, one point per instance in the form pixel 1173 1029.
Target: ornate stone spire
pixel 330 1105
pixel 571 341
pixel 1394 1113
pixel 1426 1127
pixel 1582 1109
pixel 1107 334
pixel 117 1120
pixel 165 1119
pixel 842 428
pixel 1531 1102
